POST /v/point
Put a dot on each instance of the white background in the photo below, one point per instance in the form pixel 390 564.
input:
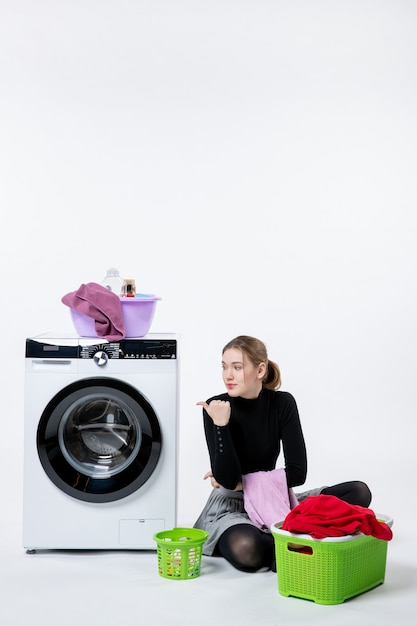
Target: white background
pixel 254 164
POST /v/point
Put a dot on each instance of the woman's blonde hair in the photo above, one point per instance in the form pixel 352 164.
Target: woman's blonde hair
pixel 256 352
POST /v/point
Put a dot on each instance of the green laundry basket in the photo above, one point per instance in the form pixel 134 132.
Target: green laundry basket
pixel 331 570
pixel 179 552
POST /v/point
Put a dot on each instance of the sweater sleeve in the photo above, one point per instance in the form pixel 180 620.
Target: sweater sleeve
pixel 224 461
pixel 293 444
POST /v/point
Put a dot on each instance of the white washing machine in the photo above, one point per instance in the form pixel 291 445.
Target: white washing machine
pixel 100 442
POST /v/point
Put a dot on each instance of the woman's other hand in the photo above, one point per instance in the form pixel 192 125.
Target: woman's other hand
pixel 216 485
pixel 213 481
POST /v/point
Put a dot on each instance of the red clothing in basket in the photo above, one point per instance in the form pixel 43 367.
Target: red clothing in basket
pixel 327 516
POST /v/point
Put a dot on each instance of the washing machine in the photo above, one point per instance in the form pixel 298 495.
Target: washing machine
pixel 100 442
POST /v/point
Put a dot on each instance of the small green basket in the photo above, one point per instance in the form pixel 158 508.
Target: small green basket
pixel 331 570
pixel 179 552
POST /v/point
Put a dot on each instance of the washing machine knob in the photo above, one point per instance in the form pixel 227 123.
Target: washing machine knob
pixel 100 358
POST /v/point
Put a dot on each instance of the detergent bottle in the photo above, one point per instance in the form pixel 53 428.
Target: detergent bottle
pixel 114 282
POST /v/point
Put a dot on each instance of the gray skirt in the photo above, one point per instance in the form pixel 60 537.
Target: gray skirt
pixel 224 508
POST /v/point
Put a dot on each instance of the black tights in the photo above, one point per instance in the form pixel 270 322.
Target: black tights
pixel 246 547
pixel 249 549
pixel 354 492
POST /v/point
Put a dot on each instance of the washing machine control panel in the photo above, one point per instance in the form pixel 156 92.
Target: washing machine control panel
pixel 130 349
pixel 102 352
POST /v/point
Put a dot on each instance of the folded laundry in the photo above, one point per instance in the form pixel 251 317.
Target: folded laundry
pixel 102 305
pixel 328 516
pixel 266 497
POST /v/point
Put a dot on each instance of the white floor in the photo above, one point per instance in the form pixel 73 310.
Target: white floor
pixel 112 588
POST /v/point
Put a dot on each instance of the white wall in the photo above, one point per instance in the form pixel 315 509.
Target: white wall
pixel 251 162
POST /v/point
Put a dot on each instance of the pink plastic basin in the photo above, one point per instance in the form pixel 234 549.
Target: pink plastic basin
pixel 137 314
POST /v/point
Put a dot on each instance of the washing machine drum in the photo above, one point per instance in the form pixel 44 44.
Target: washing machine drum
pixel 99 440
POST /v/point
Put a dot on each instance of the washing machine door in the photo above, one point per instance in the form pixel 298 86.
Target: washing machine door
pixel 99 440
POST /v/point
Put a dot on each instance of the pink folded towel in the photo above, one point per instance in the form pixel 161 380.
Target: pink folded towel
pixel 267 498
pixel 102 305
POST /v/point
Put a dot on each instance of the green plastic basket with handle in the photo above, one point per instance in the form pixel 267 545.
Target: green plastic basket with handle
pixel 179 552
pixel 330 570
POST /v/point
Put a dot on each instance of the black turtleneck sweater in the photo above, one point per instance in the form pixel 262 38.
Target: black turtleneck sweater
pixel 251 441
